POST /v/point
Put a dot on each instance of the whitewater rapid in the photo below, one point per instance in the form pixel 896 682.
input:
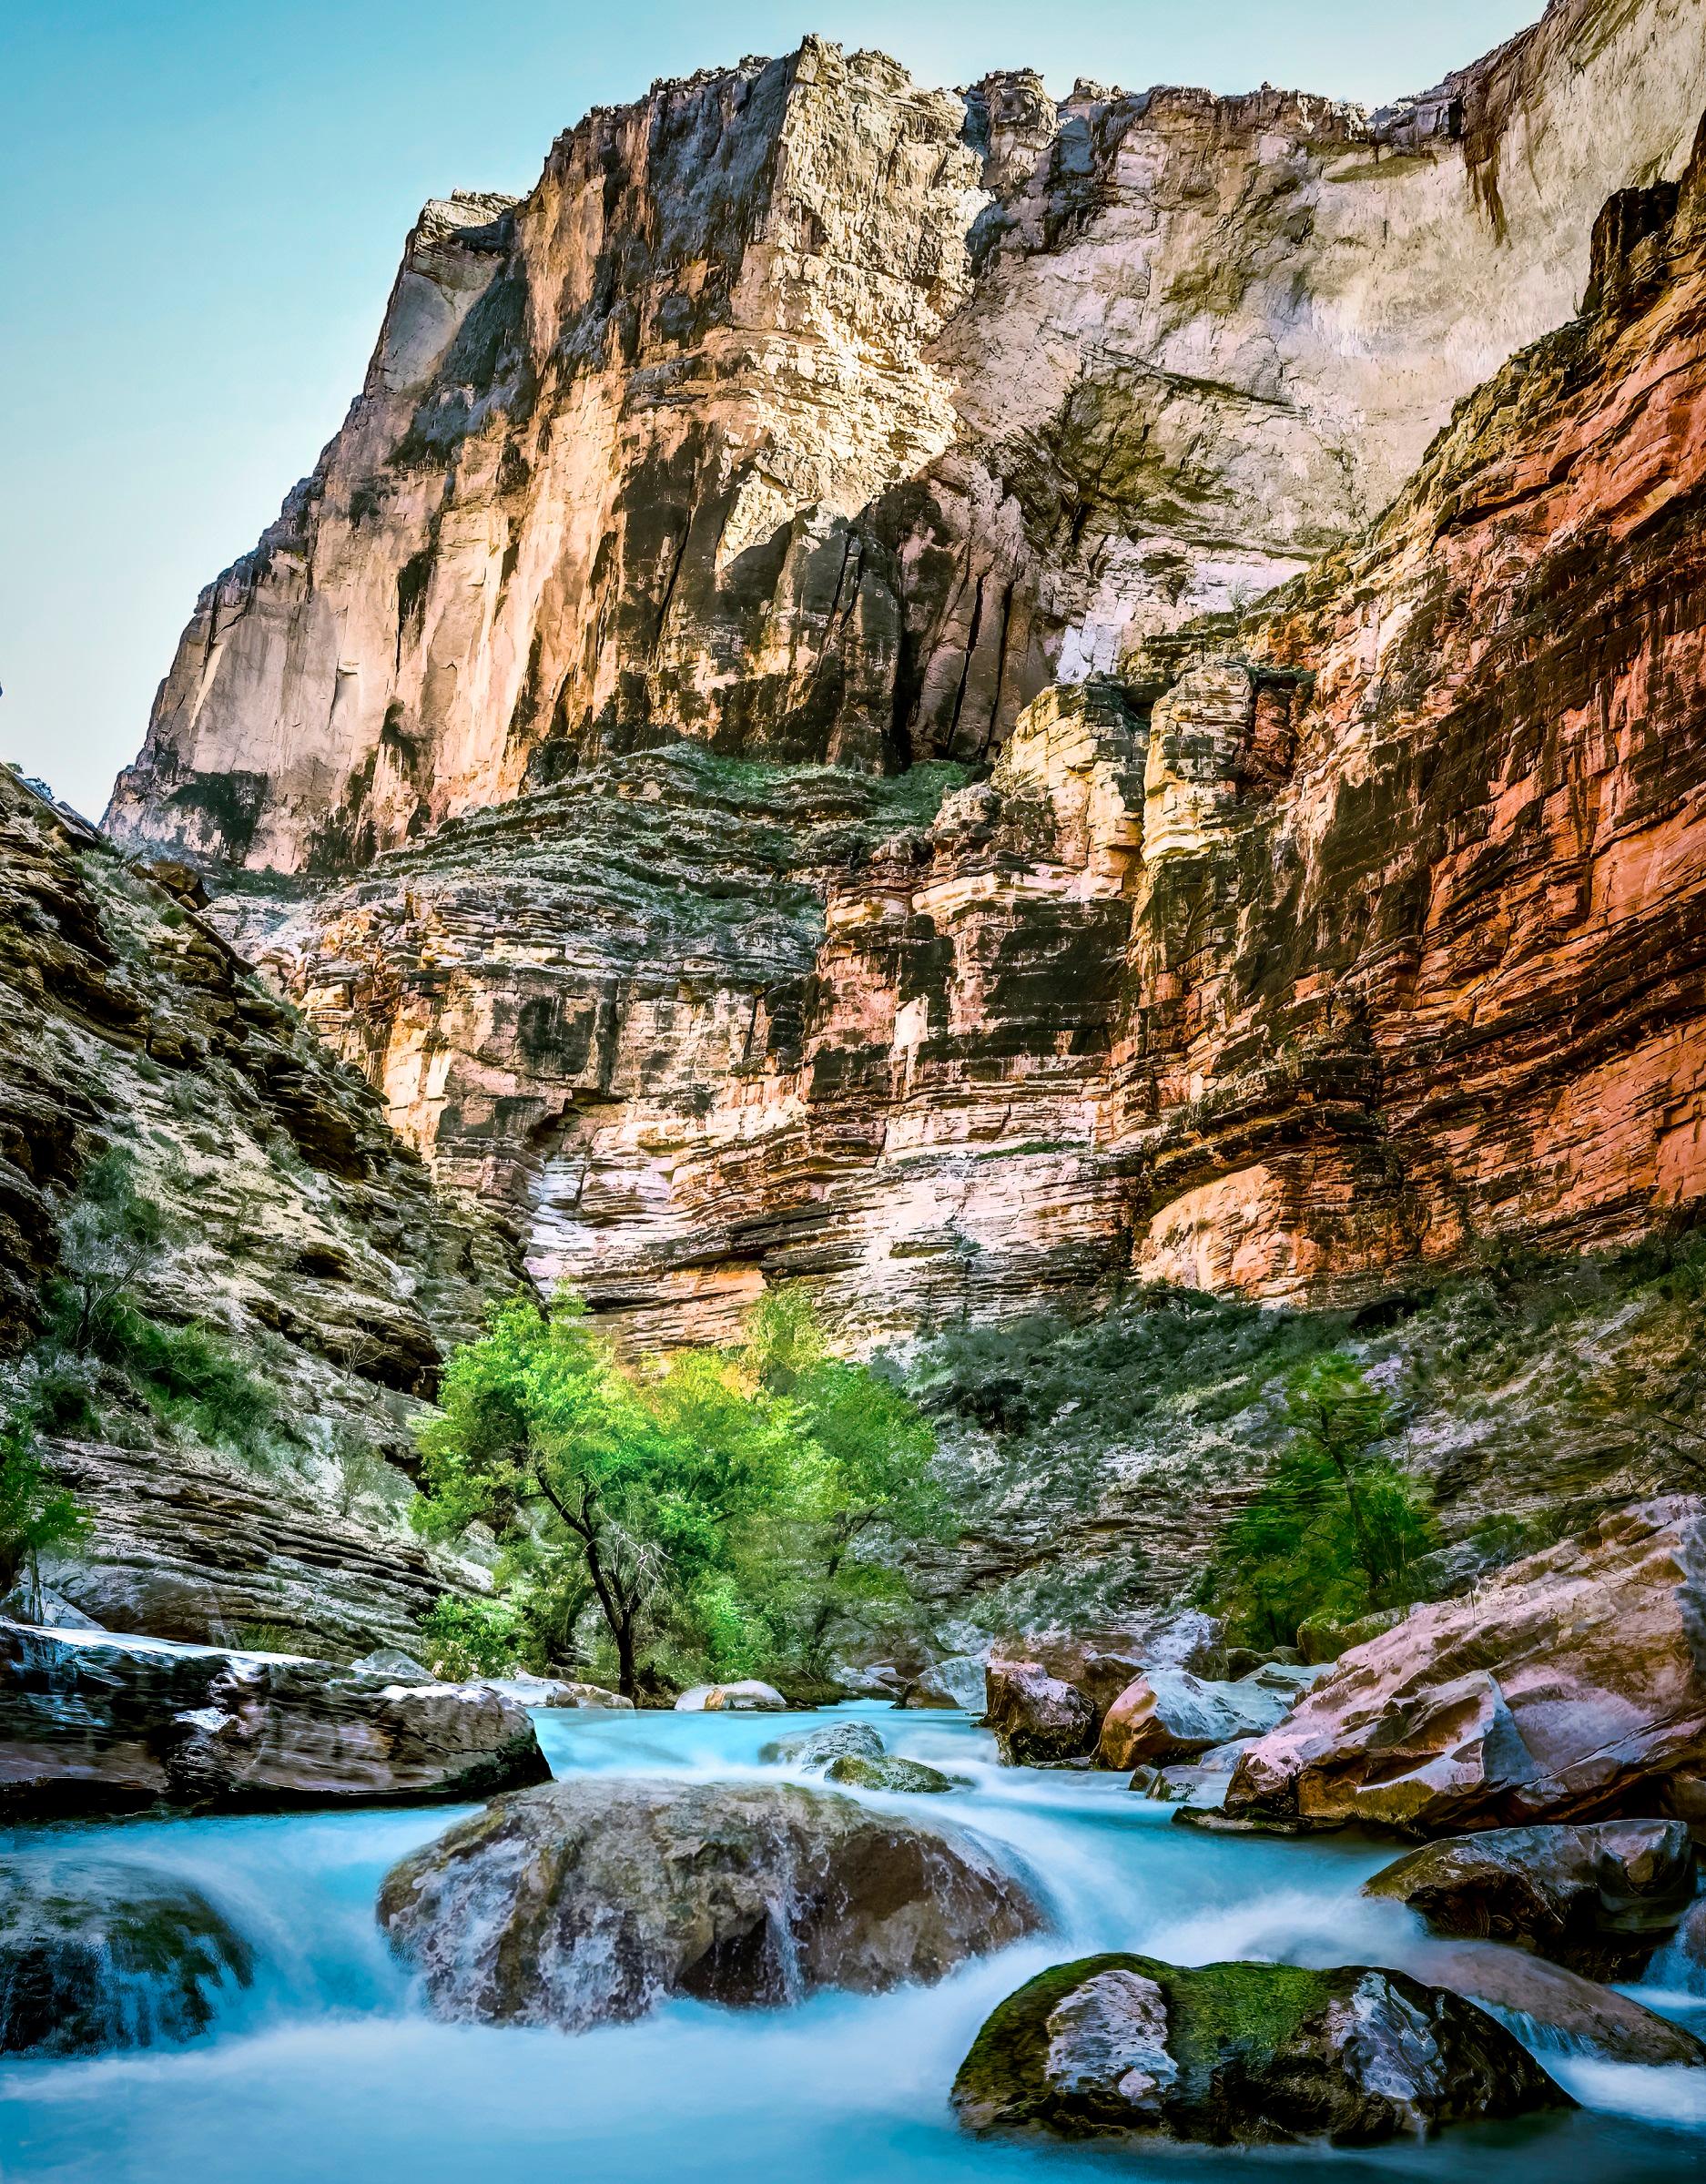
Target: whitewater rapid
pixel 326 2070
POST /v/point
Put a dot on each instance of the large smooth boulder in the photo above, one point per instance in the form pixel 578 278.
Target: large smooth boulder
pixel 748 1698
pixel 1551 2002
pixel 1571 1685
pixel 814 1749
pixel 592 1900
pixel 395 1665
pixel 1241 2052
pixel 95 1724
pixel 95 1957
pixel 1168 1716
pixel 1036 1716
pixel 1598 1899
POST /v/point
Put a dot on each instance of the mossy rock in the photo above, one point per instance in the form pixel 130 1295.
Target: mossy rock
pixel 1230 2052
pixel 110 1956
pixel 855 1772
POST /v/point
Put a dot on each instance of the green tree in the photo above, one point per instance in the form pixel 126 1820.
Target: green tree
pixel 1336 1525
pixel 546 1437
pixel 863 1487
pixel 112 1235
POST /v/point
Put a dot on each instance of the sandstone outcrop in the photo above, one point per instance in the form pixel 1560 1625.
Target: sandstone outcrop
pixel 1569 1685
pixel 109 1956
pixel 1247 2052
pixel 1180 988
pixel 103 1724
pixel 821 415
pixel 1599 1899
pixel 739 1894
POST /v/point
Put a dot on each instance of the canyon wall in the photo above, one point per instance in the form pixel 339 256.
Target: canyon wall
pixel 802 425
pixel 818 416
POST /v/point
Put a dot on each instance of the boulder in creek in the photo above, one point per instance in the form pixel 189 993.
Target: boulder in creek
pixel 91 1723
pixel 1169 1715
pixel 854 1771
pixel 1552 2005
pixel 394 1664
pixel 591 1901
pixel 1252 2052
pixel 958 1681
pixel 1036 1716
pixel 814 1749
pixel 1600 1898
pixel 95 1957
pixel 528 1690
pixel 1571 1685
pixel 748 1698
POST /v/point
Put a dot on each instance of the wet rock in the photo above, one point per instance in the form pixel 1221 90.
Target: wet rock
pixel 814 1748
pixel 1554 2006
pixel 748 1698
pixel 554 1691
pixel 109 1955
pixel 1169 1714
pixel 738 1894
pixel 1234 2052
pixel 394 1664
pixel 100 1723
pixel 1599 1899
pixel 1036 1716
pixel 1568 1685
pixel 854 1771
pixel 958 1681
pixel 39 1604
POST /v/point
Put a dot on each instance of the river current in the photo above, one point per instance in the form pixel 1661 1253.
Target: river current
pixel 327 2070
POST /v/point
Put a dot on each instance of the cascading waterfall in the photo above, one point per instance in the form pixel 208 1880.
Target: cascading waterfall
pixel 326 2065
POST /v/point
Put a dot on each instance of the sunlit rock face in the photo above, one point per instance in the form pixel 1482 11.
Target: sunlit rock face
pixel 802 424
pixel 821 416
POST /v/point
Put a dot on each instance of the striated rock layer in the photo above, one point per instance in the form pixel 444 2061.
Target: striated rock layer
pixel 821 416
pixel 1300 946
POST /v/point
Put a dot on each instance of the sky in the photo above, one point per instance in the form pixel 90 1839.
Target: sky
pixel 205 202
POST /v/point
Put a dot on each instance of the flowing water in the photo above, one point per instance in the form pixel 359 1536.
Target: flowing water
pixel 326 2070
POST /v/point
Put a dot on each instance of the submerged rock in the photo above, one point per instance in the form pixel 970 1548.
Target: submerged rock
pixel 856 1772
pixel 591 1901
pixel 114 1724
pixel 749 1698
pixel 1168 1714
pixel 108 1956
pixel 1569 1684
pixel 816 1748
pixel 1036 1716
pixel 1240 2051
pixel 1599 1899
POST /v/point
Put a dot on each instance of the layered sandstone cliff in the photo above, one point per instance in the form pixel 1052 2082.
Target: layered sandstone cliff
pixel 819 416
pixel 1275 949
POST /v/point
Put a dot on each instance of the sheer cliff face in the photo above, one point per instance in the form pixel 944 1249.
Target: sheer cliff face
pixel 1269 948
pixel 817 416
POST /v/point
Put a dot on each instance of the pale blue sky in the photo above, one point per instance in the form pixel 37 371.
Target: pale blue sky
pixel 204 203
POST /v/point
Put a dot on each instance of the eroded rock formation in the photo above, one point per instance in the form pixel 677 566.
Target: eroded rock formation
pixel 806 415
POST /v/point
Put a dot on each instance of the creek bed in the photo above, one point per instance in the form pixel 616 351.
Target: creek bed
pixel 326 2071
